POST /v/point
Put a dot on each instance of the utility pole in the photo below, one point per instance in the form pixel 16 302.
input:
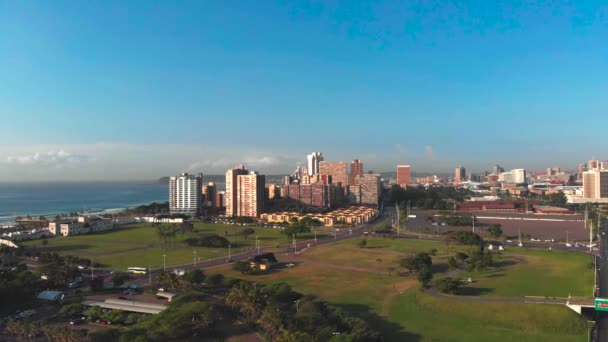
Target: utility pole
pixel 315 236
pixel 228 252
pixel 473 219
pixel 194 259
pixel 295 248
pixel 164 262
pixel 149 275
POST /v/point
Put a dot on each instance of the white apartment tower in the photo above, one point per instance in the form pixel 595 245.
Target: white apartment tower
pixel 250 194
pixel 313 163
pixel 185 196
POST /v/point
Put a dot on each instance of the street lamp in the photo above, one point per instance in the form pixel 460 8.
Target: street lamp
pixel 228 252
pixel 315 236
pixel 164 262
pixel 194 262
pixel 295 248
pixel 297 305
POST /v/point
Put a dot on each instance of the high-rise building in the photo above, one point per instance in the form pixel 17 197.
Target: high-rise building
pixel 313 162
pixel 403 175
pixel 219 199
pixel 230 196
pixel 516 176
pixel 337 171
pixel 273 191
pixel 314 195
pixel 370 188
pixel 356 169
pixel 460 175
pixel 250 194
pixel 593 164
pixel 185 195
pixel 498 169
pixel 209 192
pixel 287 180
pixel 595 184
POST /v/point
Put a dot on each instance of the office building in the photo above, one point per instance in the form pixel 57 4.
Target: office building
pixel 403 175
pixel 460 175
pixel 250 194
pixel 337 171
pixel 185 194
pixel 516 176
pixel 356 170
pixel 595 184
pixel 230 195
pixel 593 164
pixel 314 159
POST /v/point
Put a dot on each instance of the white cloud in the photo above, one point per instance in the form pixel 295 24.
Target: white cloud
pixel 50 158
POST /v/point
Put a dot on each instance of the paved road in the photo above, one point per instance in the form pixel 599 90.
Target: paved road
pixel 602 265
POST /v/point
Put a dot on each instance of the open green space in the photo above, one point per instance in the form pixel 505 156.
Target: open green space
pixel 140 244
pixel 534 272
pixel 432 319
pixel 352 277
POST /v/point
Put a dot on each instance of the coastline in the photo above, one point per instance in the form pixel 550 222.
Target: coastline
pixel 7 220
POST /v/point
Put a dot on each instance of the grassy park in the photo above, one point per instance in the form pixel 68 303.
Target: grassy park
pixel 354 278
pixel 140 245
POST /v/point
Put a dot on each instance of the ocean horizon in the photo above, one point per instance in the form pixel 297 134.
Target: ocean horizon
pixel 53 198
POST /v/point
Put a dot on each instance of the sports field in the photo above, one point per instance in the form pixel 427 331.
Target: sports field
pixel 355 279
pixel 140 244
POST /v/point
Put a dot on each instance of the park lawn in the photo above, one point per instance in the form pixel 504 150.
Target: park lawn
pixel 139 244
pixel 535 272
pixel 433 319
pixel 395 306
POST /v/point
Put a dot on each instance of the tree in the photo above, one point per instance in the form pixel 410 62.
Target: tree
pixel 242 267
pixel 362 243
pixel 425 276
pixel 452 263
pixel 461 256
pixel 447 285
pixel 295 230
pixel 246 232
pixel 71 310
pixel 467 238
pixel 495 230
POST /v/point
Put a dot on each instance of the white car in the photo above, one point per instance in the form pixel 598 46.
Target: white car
pixel 290 265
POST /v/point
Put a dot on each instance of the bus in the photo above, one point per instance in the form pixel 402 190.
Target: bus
pixel 137 270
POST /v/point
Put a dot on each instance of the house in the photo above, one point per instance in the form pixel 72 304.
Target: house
pixel 263 262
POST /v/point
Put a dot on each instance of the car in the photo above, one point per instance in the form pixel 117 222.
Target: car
pixel 290 265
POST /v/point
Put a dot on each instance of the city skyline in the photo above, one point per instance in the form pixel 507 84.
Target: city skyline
pixel 111 91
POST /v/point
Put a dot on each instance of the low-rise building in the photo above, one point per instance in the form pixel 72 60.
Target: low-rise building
pixel 352 215
pixel 80 225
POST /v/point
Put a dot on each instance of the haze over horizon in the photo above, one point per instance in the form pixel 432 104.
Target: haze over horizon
pixel 104 90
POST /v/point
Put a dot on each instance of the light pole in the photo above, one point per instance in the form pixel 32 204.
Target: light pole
pixel 293 242
pixel 164 262
pixel 194 262
pixel 297 305
pixel 149 275
pixel 228 252
pixel 315 236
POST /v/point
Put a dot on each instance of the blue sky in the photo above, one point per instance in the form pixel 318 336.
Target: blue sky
pixel 115 89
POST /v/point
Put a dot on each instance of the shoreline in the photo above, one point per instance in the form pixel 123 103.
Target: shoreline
pixel 9 220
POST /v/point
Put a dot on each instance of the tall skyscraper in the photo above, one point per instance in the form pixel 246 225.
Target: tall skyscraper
pixel 313 163
pixel 230 196
pixel 595 184
pixel 593 164
pixel 250 194
pixel 185 195
pixel 460 175
pixel 403 175
pixel 498 169
pixel 209 192
pixel 337 171
pixel 356 169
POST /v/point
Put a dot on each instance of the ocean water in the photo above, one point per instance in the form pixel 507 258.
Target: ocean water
pixel 50 199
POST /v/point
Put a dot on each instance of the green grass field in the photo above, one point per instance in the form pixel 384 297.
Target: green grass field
pixel 139 245
pixel 352 278
pixel 533 272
